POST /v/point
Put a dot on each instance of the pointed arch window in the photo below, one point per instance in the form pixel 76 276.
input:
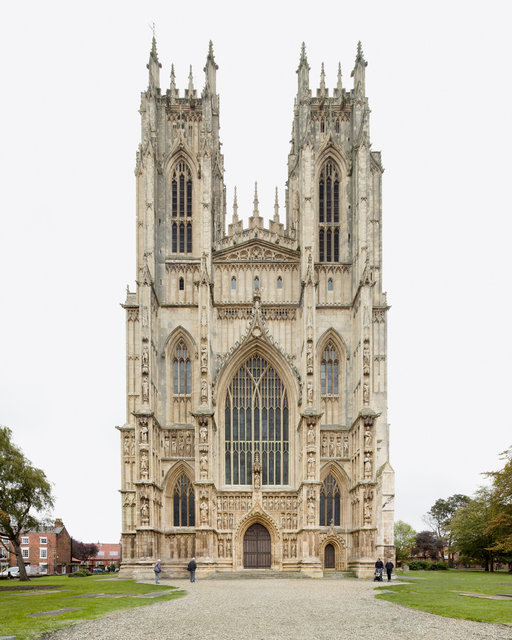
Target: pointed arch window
pixel 329 371
pixel 183 503
pixel 181 209
pixel 329 213
pixel 330 504
pixel 182 370
pixel 256 420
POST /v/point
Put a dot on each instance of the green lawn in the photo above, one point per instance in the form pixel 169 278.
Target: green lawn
pixel 16 606
pixel 439 592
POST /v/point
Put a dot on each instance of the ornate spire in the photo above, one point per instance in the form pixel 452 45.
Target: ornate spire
pixel 339 85
pixel 235 209
pixel 173 91
pixel 360 55
pixel 303 71
pixel 256 212
pixel 210 70
pixel 153 65
pixel 322 79
pixel 358 71
pixel 276 208
pixel 190 83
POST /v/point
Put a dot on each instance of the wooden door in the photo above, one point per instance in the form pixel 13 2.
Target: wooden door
pixel 257 547
pixel 329 557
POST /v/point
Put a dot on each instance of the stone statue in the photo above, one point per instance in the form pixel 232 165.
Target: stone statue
pixel 203 434
pixel 143 431
pixel 345 447
pixel 311 465
pixel 203 467
pixel 367 439
pixel 144 513
pixel 311 435
pixel 144 465
pixel 204 512
pixel 126 445
pixel 310 392
pixel 367 467
pixel 324 446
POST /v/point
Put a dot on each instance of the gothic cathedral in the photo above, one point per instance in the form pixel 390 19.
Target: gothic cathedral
pixel 256 433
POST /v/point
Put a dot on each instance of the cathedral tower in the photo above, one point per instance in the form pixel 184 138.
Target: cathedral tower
pixel 256 432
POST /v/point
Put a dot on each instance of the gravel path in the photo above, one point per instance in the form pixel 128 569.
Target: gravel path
pixel 278 609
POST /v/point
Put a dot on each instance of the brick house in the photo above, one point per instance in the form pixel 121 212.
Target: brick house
pixel 107 554
pixel 47 550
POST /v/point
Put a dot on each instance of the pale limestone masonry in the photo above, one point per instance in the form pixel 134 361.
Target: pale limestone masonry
pixel 256 430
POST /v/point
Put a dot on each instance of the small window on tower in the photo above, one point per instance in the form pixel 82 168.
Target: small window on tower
pixel 329 284
pixel 256 282
pixel 233 282
pixel 181 284
pixel 279 283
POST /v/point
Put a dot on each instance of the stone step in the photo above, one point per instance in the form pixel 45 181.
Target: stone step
pixel 249 574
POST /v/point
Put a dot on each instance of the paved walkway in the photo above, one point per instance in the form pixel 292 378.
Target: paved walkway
pixel 278 609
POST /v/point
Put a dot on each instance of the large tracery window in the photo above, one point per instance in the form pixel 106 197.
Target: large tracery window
pixel 182 370
pixel 183 503
pixel 256 419
pixel 181 209
pixel 329 371
pixel 329 214
pixel 329 502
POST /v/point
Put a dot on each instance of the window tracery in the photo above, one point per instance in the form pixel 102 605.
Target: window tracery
pixel 329 213
pixel 183 503
pixel 182 370
pixel 330 506
pixel 329 371
pixel 256 420
pixel 181 209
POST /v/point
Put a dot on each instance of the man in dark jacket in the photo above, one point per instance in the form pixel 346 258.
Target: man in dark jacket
pixel 192 566
pixel 389 569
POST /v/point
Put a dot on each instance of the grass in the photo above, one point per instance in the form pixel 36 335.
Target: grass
pixel 439 592
pixel 16 606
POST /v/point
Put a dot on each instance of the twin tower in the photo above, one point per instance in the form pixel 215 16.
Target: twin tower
pixel 256 434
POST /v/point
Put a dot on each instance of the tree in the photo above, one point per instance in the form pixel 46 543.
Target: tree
pixel 439 518
pixel 405 538
pixel 83 551
pixel 24 492
pixel 470 532
pixel 428 545
pixel 499 526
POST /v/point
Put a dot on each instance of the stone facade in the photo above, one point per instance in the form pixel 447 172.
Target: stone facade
pixel 256 431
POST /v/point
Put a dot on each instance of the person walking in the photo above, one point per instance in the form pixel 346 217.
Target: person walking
pixel 192 566
pixel 389 569
pixel 158 570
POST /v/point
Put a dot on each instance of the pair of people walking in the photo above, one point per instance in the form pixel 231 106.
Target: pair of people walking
pixel 389 566
pixel 191 567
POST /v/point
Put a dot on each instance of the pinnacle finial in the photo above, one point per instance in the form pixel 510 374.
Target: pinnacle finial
pixel 322 77
pixel 153 65
pixel 235 208
pixel 360 54
pixel 303 57
pixel 190 82
pixel 276 207
pixel 256 212
pixel 338 86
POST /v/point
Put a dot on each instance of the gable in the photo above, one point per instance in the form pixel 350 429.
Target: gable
pixel 256 251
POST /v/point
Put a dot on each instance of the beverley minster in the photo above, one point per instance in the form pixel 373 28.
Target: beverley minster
pixel 256 434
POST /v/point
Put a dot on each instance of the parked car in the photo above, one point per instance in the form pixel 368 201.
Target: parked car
pixel 97 570
pixel 10 572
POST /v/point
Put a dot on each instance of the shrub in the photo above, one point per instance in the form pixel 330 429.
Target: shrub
pixel 438 566
pixel 81 573
pixel 418 565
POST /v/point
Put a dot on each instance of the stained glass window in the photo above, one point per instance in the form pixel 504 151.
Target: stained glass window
pixel 330 503
pixel 256 419
pixel 182 370
pixel 181 206
pixel 183 503
pixel 329 214
pixel 329 371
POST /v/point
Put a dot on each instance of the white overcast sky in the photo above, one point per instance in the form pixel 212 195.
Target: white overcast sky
pixel 438 81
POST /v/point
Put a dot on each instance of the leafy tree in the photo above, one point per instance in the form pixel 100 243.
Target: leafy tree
pixel 499 526
pixel 83 551
pixel 439 518
pixel 428 545
pixel 24 492
pixel 405 538
pixel 470 531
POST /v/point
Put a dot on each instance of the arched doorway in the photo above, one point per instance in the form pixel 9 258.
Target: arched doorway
pixel 329 557
pixel 257 547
